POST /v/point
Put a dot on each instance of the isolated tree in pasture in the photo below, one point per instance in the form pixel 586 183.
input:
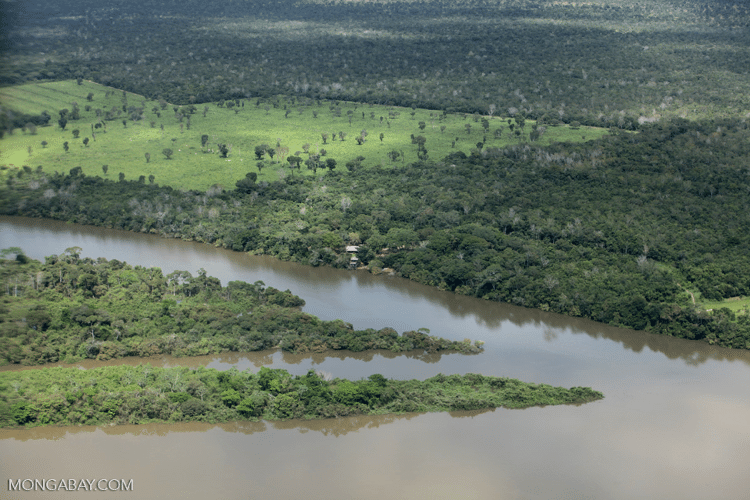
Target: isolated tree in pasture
pixel 125 123
pixel 167 153
pixel 86 141
pixel 324 136
pixel 44 144
pixel 342 136
pixel 485 124
pixel 121 177
pixel 468 128
pixel 260 151
pixel 224 150
pixel 260 166
pixel 204 140
pixel 90 97
pixel 294 161
pixel 422 125
pixel 63 121
pixel 76 133
pixel 382 135
pixel 394 155
pixel 66 147
pixel 141 179
pixel 151 179
pixel 148 157
pixel 330 164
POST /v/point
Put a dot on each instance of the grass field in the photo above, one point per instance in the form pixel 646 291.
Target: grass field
pixel 740 305
pixel 123 148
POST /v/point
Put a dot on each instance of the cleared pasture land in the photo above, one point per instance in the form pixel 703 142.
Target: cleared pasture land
pixel 286 124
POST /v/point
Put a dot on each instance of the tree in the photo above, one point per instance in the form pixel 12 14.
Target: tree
pixel 294 161
pixel 422 125
pixel 342 136
pixel 330 164
pixel 223 149
pixel 394 155
pixel 204 140
pixel 44 144
pixel 76 133
pixel 90 97
pixel 148 157
pixel 324 136
pixel 121 177
pixel 247 184
pixel 260 166
pixel 468 128
pixel 65 146
pixel 105 168
pixel 151 179
pixel 63 121
pixel 260 151
pixel 346 202
pixel 382 135
pixel 167 153
pixel 86 141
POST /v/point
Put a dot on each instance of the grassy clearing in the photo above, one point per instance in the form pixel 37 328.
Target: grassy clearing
pixel 123 148
pixel 736 304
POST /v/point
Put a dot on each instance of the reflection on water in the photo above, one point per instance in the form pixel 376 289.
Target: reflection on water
pixel 328 427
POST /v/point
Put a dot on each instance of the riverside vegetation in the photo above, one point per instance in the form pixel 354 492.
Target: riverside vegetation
pixel 143 394
pixel 634 230
pixel 71 308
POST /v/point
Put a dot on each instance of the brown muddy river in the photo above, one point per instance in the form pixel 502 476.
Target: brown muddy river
pixel 674 424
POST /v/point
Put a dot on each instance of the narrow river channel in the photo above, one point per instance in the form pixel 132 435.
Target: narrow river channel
pixel 674 424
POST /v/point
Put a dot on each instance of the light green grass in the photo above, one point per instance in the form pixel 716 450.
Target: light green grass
pixel 735 304
pixel 123 148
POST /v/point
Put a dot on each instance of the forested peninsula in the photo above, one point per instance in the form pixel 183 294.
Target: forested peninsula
pixel 627 230
pixel 143 394
pixel 70 308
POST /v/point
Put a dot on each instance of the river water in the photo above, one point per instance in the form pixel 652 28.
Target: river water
pixel 675 421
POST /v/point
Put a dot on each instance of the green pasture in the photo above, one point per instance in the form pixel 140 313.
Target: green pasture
pixel 737 304
pixel 123 148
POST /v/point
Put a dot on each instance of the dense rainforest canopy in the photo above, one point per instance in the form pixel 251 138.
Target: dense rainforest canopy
pixel 612 63
pixel 71 308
